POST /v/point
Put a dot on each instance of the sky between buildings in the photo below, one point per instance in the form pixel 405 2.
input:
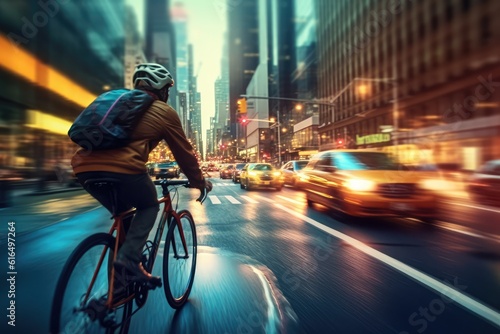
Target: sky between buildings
pixel 206 26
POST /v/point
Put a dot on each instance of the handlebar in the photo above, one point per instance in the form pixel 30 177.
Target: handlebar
pixel 165 183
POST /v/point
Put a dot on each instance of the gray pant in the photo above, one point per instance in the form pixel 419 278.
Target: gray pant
pixel 133 190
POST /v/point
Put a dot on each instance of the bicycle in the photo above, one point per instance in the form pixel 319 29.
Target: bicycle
pixel 85 299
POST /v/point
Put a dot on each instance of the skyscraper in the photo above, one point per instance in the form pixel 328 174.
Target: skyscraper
pixel 243 49
pixel 180 21
pixel 160 39
pixel 427 68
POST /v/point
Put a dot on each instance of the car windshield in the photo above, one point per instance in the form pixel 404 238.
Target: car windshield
pixel 262 167
pixel 365 161
pixel 301 164
pixel 240 166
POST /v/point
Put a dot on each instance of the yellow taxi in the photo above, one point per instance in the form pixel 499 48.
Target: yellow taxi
pixel 261 175
pixel 367 183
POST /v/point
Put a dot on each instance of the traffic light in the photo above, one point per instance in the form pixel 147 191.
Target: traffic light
pixel 243 120
pixel 242 106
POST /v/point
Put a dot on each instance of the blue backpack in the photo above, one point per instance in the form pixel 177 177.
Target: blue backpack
pixel 108 122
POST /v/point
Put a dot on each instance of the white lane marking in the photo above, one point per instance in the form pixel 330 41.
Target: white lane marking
pixel 214 199
pixel 273 313
pixel 441 288
pixel 249 199
pixel 232 199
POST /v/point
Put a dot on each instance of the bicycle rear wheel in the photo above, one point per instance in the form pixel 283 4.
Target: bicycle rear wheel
pixel 71 311
pixel 179 259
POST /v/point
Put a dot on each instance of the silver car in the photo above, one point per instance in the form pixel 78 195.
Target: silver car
pixel 291 172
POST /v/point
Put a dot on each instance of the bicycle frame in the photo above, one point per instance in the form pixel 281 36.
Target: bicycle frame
pixel 168 215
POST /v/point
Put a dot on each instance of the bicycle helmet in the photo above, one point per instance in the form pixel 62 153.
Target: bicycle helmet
pixel 154 75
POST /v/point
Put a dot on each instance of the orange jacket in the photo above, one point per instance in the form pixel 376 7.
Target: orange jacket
pixel 160 122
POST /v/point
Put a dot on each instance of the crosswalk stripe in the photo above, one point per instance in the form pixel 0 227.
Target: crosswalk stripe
pixel 249 199
pixel 214 199
pixel 232 200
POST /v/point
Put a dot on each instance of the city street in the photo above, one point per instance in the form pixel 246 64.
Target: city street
pixel 375 124
pixel 269 264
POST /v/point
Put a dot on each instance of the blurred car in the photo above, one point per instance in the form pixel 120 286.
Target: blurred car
pixel 261 175
pixel 237 171
pixel 226 171
pixel 166 170
pixel 291 172
pixel 451 171
pixel 367 183
pixel 213 168
pixel 484 184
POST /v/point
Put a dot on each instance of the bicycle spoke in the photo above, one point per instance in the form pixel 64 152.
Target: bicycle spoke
pixel 79 306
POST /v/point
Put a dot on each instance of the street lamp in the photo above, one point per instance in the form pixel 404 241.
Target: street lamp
pixel 278 126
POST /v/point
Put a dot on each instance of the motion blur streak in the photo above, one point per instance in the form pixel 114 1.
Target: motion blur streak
pixel 441 288
pixel 39 120
pixel 464 230
pixel 25 65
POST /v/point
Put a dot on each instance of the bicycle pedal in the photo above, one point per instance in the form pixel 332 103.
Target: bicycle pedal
pixel 109 321
pixel 154 283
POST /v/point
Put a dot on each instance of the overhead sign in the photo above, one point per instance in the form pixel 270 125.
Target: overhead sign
pixel 373 138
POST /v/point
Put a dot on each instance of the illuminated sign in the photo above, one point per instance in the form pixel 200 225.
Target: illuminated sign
pixel 373 138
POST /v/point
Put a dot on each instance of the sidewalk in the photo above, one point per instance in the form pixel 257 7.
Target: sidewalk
pixel 30 187
pixel 32 208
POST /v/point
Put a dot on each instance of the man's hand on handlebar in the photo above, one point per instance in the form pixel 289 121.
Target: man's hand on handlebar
pixel 204 191
pixel 208 185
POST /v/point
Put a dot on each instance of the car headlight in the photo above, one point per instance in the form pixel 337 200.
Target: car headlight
pixel 435 185
pixel 252 174
pixel 277 174
pixel 361 185
pixel 303 177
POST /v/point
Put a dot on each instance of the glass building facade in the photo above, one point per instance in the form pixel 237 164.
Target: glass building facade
pixel 418 72
pixel 57 56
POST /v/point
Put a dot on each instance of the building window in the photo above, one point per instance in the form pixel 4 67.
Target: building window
pixel 434 22
pixel 421 30
pixel 465 6
pixel 485 29
pixel 449 11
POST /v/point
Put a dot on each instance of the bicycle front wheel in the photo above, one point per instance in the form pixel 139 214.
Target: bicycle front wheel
pixel 179 259
pixel 78 305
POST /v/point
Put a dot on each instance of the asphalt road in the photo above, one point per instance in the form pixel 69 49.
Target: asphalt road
pixel 269 264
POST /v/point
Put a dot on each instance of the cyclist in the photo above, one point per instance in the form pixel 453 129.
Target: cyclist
pixel 128 164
